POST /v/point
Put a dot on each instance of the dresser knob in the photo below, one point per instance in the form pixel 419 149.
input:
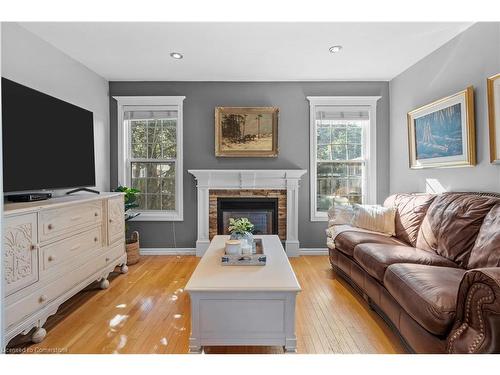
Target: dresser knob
pixel 51 258
pixel 96 214
pixel 107 259
pixel 33 247
pixel 42 298
pixel 110 220
pixel 50 226
pixel 95 239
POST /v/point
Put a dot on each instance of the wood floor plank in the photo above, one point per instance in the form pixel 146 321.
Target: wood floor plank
pixel 148 311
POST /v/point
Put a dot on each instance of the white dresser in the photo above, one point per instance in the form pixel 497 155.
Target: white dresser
pixel 55 248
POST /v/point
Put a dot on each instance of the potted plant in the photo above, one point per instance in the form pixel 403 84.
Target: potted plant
pixel 132 242
pixel 241 229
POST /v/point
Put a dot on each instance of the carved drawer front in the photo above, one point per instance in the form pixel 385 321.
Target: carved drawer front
pixel 58 221
pixel 116 221
pixel 20 252
pixel 69 249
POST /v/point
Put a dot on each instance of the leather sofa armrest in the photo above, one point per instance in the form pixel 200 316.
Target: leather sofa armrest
pixel 477 323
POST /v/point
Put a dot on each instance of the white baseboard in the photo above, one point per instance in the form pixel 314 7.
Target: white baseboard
pixel 313 251
pixel 168 251
pixel 192 251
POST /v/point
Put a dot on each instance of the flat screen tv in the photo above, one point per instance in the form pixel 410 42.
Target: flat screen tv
pixel 47 142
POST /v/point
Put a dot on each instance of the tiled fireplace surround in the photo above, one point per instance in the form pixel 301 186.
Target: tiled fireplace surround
pixel 247 193
pixel 281 184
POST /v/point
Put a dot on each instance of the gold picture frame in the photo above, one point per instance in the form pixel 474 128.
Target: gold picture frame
pixel 493 89
pixel 442 134
pixel 246 132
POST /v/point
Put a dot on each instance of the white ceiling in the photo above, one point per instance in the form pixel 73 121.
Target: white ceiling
pixel 246 51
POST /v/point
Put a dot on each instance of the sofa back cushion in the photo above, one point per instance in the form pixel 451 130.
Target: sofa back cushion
pixel 410 212
pixel 452 224
pixel 486 250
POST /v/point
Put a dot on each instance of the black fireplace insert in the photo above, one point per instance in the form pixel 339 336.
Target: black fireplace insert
pixel 262 212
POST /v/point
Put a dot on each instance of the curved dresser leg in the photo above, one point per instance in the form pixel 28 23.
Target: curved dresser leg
pixel 38 335
pixel 124 268
pixel 104 284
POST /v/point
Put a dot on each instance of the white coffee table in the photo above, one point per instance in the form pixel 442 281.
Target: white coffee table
pixel 243 305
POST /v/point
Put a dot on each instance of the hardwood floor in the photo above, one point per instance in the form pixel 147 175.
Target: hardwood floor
pixel 147 311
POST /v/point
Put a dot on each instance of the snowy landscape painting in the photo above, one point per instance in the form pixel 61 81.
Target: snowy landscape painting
pixel 246 131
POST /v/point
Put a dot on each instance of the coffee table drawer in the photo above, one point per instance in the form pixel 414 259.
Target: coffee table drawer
pixel 225 317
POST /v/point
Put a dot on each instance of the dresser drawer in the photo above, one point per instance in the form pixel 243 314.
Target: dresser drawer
pixel 113 253
pixel 70 248
pixel 58 221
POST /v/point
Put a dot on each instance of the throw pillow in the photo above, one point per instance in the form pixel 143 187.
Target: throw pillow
pixel 340 214
pixel 376 218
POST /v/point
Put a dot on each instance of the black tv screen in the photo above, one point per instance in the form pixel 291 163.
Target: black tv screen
pixel 47 143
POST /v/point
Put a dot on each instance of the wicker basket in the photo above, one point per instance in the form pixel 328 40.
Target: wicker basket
pixel 132 245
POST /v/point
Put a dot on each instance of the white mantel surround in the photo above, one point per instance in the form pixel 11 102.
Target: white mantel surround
pixel 286 179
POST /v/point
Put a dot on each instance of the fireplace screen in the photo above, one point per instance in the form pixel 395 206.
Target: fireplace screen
pixel 262 212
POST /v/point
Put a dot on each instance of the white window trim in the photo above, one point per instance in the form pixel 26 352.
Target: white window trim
pixel 371 147
pixel 123 150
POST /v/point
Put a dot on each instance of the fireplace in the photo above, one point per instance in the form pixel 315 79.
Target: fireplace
pixel 282 184
pixel 265 208
pixel 262 212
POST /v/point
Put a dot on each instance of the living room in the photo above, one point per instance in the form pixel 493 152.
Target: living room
pixel 250 187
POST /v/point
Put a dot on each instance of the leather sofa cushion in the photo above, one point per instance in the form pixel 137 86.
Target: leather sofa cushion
pixel 486 250
pixel 375 258
pixel 452 224
pixel 347 241
pixel 410 212
pixel 427 293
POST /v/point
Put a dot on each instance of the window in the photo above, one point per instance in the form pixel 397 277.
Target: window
pixel 150 154
pixel 342 140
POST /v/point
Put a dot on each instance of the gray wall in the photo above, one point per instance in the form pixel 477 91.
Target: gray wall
pixel 290 97
pixel 33 62
pixel 468 59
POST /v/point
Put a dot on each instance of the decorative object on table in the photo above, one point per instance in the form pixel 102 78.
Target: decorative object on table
pixel 132 244
pixel 233 247
pixel 442 133
pixel 246 247
pixel 493 84
pixel 241 229
pixel 246 131
pixel 249 259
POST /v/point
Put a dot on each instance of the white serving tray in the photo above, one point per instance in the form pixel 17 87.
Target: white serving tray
pixel 256 259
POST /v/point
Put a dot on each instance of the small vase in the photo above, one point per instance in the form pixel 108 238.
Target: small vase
pixel 248 236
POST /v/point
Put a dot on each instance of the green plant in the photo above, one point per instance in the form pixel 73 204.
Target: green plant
pixel 240 226
pixel 130 200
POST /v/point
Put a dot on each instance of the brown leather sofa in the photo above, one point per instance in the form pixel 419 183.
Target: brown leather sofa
pixel 437 282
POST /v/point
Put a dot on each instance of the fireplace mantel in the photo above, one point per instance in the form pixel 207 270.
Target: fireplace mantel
pixel 285 179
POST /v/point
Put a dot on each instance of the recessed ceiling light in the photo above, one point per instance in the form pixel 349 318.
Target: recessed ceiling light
pixel 335 49
pixel 176 55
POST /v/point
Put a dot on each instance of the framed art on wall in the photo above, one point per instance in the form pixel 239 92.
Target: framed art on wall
pixel 442 133
pixel 246 131
pixel 493 84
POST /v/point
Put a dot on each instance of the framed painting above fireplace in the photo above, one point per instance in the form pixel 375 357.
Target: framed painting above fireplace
pixel 246 131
